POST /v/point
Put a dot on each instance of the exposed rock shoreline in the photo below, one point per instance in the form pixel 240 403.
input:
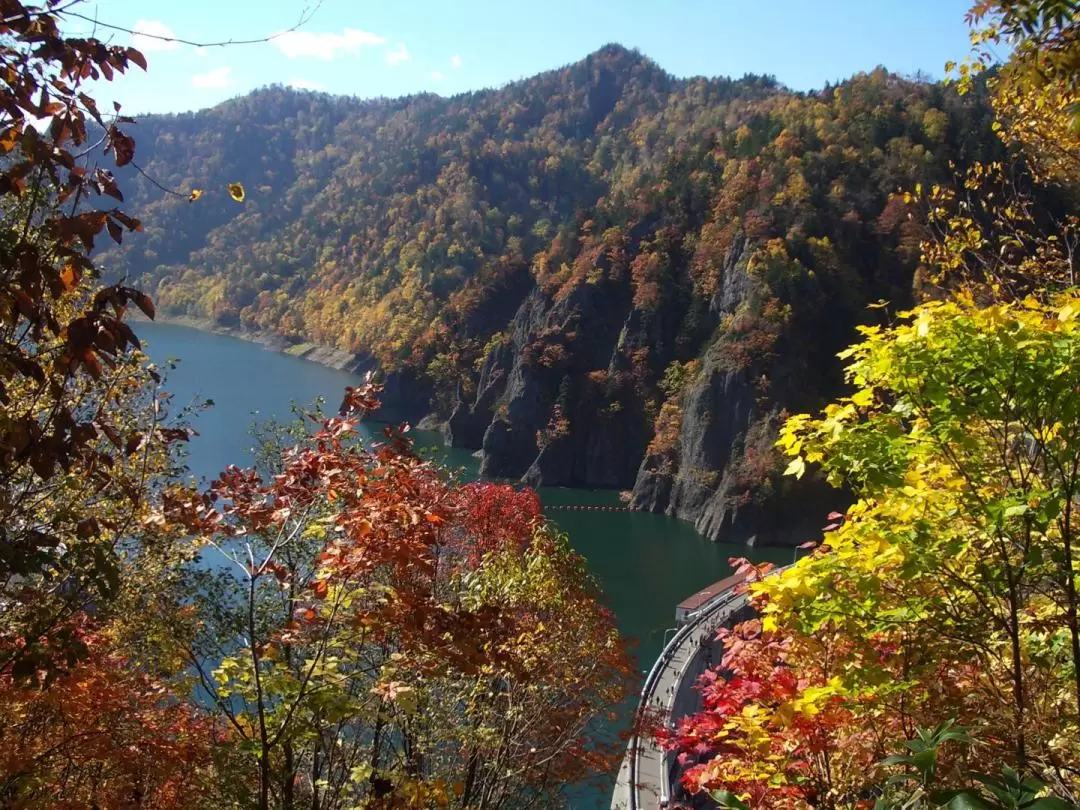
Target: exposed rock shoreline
pixel 612 454
pixel 323 355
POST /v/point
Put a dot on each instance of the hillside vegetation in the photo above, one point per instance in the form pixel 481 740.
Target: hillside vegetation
pixel 603 276
pixel 345 624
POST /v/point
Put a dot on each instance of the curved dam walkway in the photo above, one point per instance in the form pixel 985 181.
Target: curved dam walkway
pixel 649 776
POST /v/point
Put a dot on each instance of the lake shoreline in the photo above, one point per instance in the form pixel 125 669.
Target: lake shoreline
pixel 340 360
pixel 337 359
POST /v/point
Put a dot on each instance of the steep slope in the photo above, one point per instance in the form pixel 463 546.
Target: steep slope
pixel 601 276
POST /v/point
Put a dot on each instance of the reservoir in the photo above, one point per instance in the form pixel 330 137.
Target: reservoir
pixel 645 563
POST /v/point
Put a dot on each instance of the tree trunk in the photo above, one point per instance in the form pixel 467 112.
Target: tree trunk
pixel 1070 597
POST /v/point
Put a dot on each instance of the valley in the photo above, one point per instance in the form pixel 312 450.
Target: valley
pixel 599 277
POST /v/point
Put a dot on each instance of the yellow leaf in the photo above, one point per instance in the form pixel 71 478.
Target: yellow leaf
pixel 863 397
pixel 797 467
pixel 195 194
pixel 9 139
pixel 1067 313
pixel 922 325
pixel 236 191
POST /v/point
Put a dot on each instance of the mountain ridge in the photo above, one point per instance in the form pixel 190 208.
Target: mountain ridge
pixel 599 276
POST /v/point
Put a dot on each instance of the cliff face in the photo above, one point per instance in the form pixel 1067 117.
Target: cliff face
pixel 602 276
pixel 576 416
pixel 719 409
pixel 726 425
pixel 559 427
pixel 551 428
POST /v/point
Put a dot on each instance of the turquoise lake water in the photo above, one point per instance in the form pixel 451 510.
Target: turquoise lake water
pixel 645 563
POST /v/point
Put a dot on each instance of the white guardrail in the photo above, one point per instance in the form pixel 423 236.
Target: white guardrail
pixel 693 624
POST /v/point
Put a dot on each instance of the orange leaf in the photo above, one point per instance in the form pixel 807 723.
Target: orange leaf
pixel 8 139
pixel 92 363
pixel 69 277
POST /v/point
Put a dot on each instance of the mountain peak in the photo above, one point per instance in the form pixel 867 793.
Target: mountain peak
pixel 619 55
pixel 615 49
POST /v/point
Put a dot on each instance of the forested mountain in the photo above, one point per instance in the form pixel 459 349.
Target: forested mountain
pixel 602 276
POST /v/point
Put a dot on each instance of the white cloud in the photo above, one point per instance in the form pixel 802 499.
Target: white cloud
pixel 306 84
pixel 145 36
pixel 396 57
pixel 325 45
pixel 200 51
pixel 437 76
pixel 216 78
pixel 455 61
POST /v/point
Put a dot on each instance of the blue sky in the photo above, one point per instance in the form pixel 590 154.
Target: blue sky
pixel 378 48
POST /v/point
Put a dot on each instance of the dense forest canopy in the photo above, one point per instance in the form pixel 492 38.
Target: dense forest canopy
pixel 593 268
pixel 385 226
pixel 927 652
pixel 341 625
pixel 566 256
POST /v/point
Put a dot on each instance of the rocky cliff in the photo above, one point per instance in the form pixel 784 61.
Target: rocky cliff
pixel 584 423
pixel 602 276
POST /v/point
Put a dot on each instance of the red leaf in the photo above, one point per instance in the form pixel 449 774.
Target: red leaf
pixel 143 302
pixel 69 277
pixel 92 363
pixel 123 146
pixel 130 223
pixel 136 57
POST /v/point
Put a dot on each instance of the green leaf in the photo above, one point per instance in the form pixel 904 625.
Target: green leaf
pixel 925 761
pixel 897 759
pixel 901 779
pixel 727 800
pixel 1050 803
pixel 961 800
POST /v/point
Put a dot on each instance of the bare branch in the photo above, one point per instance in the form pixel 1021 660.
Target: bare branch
pixel 305 17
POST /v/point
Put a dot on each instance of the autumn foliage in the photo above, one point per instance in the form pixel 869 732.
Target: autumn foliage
pixel 770 731
pixel 927 652
pixel 497 516
pixel 408 642
pixel 603 194
pixel 342 627
pixel 103 734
